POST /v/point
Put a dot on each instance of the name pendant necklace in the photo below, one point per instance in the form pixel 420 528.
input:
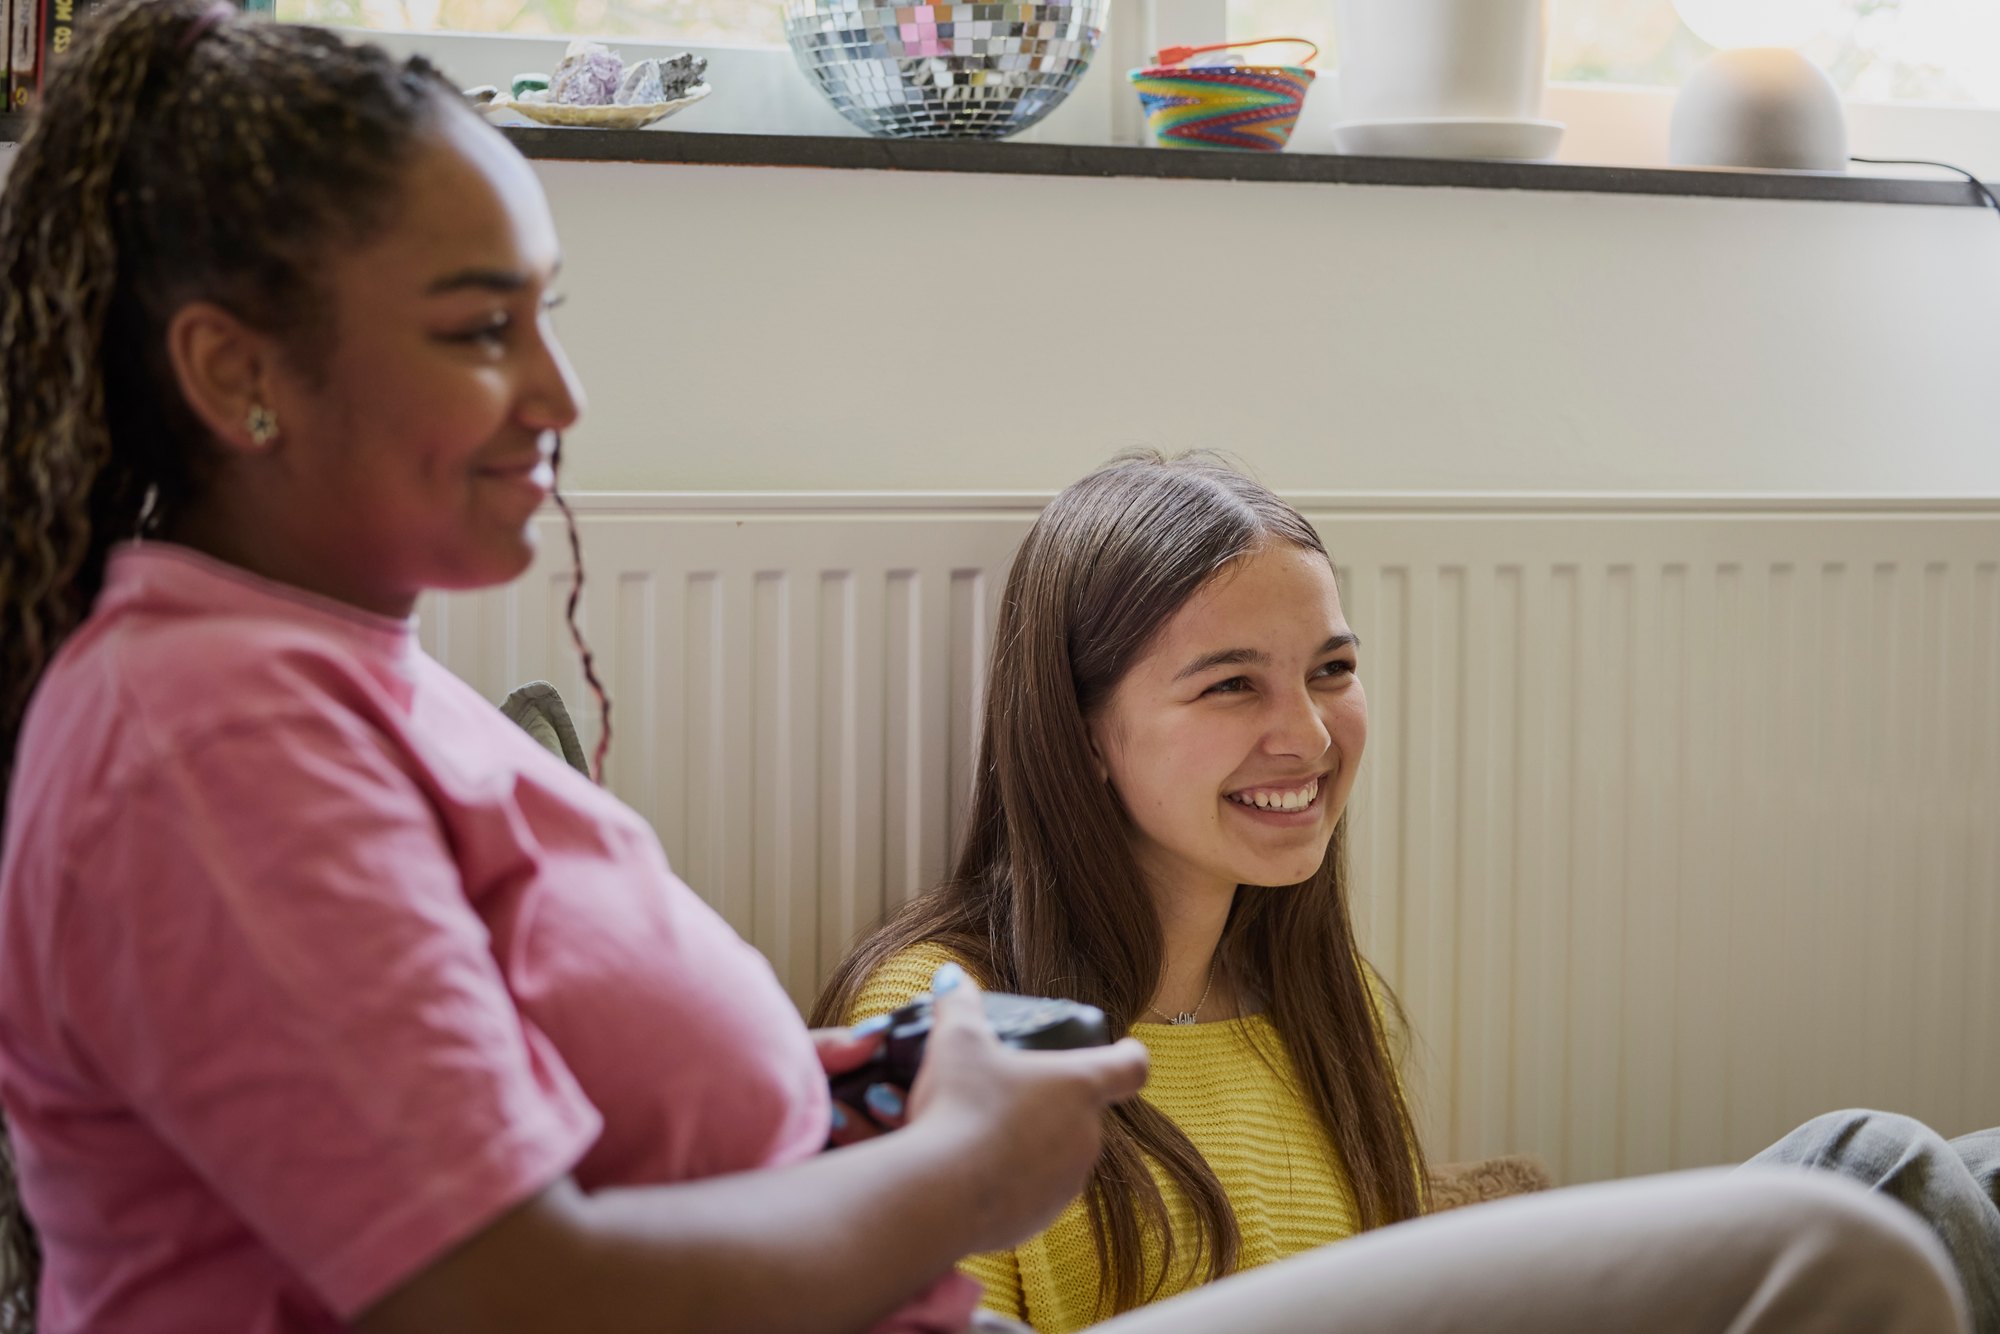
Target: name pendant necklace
pixel 1186 1017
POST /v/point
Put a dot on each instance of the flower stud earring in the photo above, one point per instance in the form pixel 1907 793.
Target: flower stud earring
pixel 262 425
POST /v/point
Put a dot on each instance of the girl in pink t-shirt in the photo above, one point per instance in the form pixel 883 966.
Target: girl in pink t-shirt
pixel 328 1000
pixel 326 996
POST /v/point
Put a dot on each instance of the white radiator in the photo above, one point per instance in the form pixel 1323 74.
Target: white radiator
pixel 1680 821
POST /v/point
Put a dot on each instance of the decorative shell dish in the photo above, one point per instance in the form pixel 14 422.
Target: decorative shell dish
pixel 632 117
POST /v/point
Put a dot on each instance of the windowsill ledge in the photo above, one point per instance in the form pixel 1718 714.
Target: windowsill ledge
pixel 1021 159
pixel 1016 159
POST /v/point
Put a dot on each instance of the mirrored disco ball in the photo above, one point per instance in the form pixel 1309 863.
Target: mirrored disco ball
pixel 944 71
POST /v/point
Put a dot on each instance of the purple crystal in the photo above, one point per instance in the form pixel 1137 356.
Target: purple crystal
pixel 588 76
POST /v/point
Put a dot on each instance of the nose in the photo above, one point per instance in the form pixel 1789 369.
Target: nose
pixel 1296 727
pixel 552 397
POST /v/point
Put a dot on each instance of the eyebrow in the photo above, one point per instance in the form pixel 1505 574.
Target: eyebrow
pixel 1235 657
pixel 485 280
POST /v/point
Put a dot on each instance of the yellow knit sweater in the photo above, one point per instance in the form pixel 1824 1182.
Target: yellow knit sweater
pixel 1283 1177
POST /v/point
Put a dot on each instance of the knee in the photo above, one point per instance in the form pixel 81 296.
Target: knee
pixel 1859 1134
pixel 1862 1254
pixel 1867 1121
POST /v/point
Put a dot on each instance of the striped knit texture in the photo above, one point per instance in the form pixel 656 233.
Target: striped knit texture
pixel 1259 1137
pixel 1249 107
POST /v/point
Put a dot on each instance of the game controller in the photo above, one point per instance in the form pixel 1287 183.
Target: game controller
pixel 1026 1022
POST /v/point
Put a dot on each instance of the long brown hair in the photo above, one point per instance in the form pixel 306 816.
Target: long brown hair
pixel 180 153
pixel 1047 899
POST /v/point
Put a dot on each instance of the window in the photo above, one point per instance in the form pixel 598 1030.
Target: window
pixel 1945 51
pixel 693 21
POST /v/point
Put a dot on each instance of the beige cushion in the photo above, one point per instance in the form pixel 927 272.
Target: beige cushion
pixel 539 711
pixel 1455 1185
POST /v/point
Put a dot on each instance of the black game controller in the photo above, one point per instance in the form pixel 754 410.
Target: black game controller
pixel 1025 1022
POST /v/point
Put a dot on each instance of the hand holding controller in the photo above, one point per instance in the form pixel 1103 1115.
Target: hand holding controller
pixel 1016 1131
pixel 1023 1022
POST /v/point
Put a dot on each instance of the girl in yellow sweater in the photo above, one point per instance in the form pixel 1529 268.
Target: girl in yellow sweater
pixel 1176 723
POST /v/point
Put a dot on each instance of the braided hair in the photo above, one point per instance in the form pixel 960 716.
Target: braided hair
pixel 180 152
pixel 160 171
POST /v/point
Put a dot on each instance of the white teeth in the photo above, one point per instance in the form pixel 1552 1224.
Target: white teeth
pixel 1267 800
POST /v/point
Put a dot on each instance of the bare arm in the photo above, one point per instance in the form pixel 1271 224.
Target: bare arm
pixel 998 1142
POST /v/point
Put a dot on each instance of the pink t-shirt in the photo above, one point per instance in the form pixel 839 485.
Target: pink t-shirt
pixel 312 965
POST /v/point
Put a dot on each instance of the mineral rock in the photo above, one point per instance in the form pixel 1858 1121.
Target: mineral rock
pixel 642 85
pixel 587 77
pixel 661 80
pixel 679 74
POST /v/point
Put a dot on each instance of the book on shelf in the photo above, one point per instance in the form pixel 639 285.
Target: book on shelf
pixel 24 52
pixel 59 20
pixel 35 35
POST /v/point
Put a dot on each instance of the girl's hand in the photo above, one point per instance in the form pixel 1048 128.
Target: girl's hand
pixel 1030 1123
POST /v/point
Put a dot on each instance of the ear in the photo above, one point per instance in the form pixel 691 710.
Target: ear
pixel 223 367
pixel 1093 728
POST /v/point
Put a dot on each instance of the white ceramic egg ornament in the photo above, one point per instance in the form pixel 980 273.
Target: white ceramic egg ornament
pixel 1768 108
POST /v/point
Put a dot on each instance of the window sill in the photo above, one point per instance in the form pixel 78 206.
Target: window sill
pixel 1019 159
pixel 1046 159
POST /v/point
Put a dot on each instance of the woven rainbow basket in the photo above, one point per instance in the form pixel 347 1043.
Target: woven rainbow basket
pixel 1222 106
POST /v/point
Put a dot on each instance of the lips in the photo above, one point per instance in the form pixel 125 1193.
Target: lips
pixel 536 470
pixel 517 468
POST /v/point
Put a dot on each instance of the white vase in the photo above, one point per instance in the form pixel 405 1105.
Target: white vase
pixel 1441 59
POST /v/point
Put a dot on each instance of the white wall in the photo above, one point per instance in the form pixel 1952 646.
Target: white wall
pixel 764 329
pixel 742 328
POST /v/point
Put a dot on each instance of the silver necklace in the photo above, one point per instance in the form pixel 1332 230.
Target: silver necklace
pixel 1188 1016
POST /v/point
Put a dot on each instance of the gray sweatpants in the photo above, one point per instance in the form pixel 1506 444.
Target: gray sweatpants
pixel 1952 1185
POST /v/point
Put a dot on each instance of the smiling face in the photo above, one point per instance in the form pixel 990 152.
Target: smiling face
pixel 1234 740
pixel 416 448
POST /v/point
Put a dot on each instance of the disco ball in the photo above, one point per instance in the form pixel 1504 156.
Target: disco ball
pixel 944 71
